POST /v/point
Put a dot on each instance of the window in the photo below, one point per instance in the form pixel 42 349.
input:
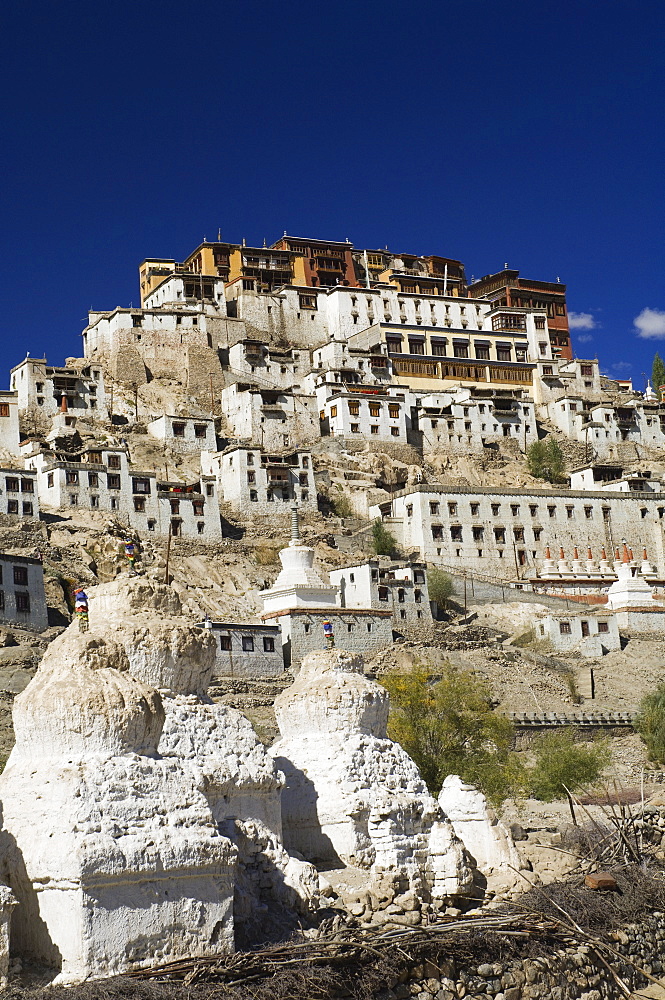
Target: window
pixel 482 353
pixel 176 526
pixel 588 513
pixel 564 628
pixel 178 430
pixel 71 478
pixel 307 626
pixel 475 508
pixel 253 496
pixel 433 508
pixel 49 479
pixel 225 642
pixel 384 593
pixel 518 534
pixel 114 461
pixel 268 644
pixel 437 532
pixel 478 533
pixel 539 322
pixel 354 409
pixel 394 432
pixel 500 536
pixel 27 510
pixel 548 370
pixel 551 511
pixel 570 512
pixel 355 428
pixel 393 411
pixel 514 509
pixel 198 508
pixel 333 411
pixel 250 459
pixel 175 506
pixel 374 428
pixel 151 524
pixel 94 500
pixel 139 504
pixel 460 351
pixel 495 509
pixel 585 629
pixel 20 576
pixel 586 370
pixel 606 513
pixel 409 510
pixel 374 410
pixel 200 430
pixel 27 486
pixel 452 509
pixel 456 533
pixel 114 503
pixel 603 626
pixel 23 603
pixel 12 506
pixel 4 409
pixel 113 481
pixel 503 354
pixel 140 485
pixel 93 479
pixel 73 499
pixel 210 490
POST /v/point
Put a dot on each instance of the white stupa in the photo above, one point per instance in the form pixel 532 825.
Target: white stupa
pixel 298 584
pixel 631 590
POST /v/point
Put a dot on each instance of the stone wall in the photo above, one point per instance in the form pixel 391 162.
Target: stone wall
pixel 351 627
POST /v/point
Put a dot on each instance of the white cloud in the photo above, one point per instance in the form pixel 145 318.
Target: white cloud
pixel 581 321
pixel 621 367
pixel 650 324
pixel 584 338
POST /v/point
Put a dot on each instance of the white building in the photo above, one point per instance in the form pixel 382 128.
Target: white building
pixel 244 649
pixel 612 477
pixel 256 482
pixel 374 413
pixel 103 480
pixel 9 425
pixel 272 419
pixel 386 585
pixel 505 533
pixel 43 387
pixel 185 435
pixel 590 633
pixel 22 597
pixel 463 420
pixel 252 360
pixel 18 493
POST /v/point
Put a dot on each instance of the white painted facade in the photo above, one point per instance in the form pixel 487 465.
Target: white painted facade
pixel 247 650
pixel 9 424
pixel 399 588
pixel 459 421
pixel 253 360
pixel 42 387
pixel 185 435
pixel 271 419
pixel 22 597
pixel 19 495
pixel 505 533
pixel 602 478
pixel 255 482
pixel 590 633
pixel 375 414
pixel 139 498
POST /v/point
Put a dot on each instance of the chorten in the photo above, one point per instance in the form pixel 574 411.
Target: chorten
pixel 298 584
pixel 630 590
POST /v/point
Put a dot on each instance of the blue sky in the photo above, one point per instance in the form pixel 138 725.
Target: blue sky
pixel 527 133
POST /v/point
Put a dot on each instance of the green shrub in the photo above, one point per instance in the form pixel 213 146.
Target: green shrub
pixel 563 766
pixel 449 727
pixel 440 587
pixel 650 724
pixel 545 460
pixel 384 541
pixel 341 503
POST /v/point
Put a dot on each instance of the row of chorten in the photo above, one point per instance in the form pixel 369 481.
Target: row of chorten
pixel 588 567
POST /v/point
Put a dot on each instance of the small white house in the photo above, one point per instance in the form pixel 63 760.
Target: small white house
pixel 185 435
pixel 364 412
pixel 386 585
pixel 244 649
pixel 593 633
pixel 257 482
pixel 22 597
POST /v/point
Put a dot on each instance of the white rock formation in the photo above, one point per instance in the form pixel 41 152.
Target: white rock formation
pixel 484 836
pixel 111 850
pixel 352 795
pixel 241 782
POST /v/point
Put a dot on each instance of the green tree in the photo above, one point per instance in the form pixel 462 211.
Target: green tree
pixel 440 587
pixel 341 503
pixel 563 765
pixel 384 541
pixel 449 727
pixel 657 372
pixel 545 460
pixel 650 724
